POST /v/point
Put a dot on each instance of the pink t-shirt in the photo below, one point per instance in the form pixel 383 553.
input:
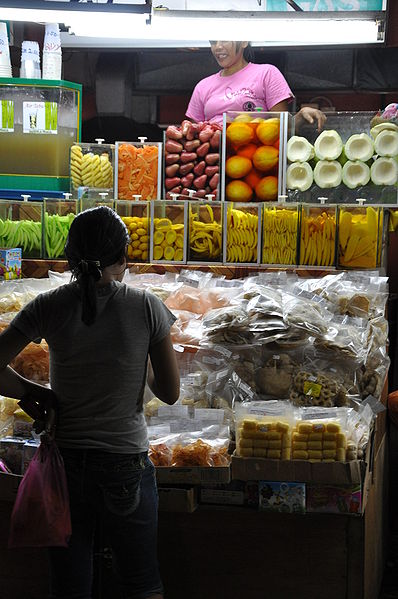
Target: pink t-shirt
pixel 254 86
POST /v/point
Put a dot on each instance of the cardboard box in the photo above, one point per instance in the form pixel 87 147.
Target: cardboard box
pixel 10 263
pixel 288 498
pixel 232 493
pixel 193 476
pixel 343 473
pixel 334 499
pixel 177 500
pixel 9 484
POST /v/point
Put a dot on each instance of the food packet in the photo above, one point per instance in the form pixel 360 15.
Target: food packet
pixel 208 447
pixel 321 435
pixel 263 429
pixel 274 378
pixel 311 315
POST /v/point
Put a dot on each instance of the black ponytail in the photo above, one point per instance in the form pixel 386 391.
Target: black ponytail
pixel 248 53
pixel 97 238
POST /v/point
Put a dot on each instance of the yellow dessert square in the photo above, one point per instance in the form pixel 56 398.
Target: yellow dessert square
pixel 315 437
pixel 263 443
pixel 329 445
pixel 282 427
pixel 304 428
pixel 277 444
pixel 245 442
pixel 274 454
pixel 286 441
pixel 249 424
pixel 318 427
pixel 300 455
pixel 299 437
pixel 333 427
pixel 299 445
pixel 259 452
pixel 314 444
pixel 246 452
pixel 315 454
pixel 329 454
pixel 340 454
pixel 329 436
pixel 247 434
pixel 341 440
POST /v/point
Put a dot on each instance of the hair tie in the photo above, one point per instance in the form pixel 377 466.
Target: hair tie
pixel 92 267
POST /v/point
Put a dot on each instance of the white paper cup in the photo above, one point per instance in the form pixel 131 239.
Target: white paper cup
pixel 52 38
pixel 4 47
pixel 52 65
pixel 30 70
pixel 30 52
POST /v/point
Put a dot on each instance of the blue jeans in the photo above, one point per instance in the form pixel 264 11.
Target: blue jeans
pixel 119 490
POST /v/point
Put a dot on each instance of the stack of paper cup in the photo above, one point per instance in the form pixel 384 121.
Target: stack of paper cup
pixel 30 60
pixel 5 63
pixel 52 55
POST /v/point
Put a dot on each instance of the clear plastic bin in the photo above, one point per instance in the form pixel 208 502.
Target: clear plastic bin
pixel 93 198
pixel 21 227
pixel 242 239
pixel 136 217
pixel 253 157
pixel 92 166
pixel 340 161
pixel 358 235
pixel 318 235
pixel 138 170
pixel 205 231
pixel 168 231
pixel 280 234
pixel 58 217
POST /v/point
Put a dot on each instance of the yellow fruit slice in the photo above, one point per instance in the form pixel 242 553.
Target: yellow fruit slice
pixel 171 236
pixel 169 253
pixel 157 252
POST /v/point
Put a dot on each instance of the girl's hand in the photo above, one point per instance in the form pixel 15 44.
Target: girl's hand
pixel 311 115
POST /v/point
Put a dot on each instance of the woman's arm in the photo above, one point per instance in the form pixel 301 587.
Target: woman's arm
pixel 307 113
pixel 163 374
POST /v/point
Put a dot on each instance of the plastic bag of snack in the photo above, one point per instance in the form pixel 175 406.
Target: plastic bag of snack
pixel 321 435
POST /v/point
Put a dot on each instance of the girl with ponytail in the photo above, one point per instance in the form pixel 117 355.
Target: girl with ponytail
pixel 106 340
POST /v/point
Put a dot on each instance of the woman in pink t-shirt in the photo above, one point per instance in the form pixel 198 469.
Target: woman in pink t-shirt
pixel 243 85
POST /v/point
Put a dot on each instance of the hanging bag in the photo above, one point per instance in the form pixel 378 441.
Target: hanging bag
pixel 41 516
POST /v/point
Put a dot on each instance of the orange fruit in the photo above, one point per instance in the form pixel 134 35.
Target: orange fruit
pixel 238 191
pixel 276 144
pixel 268 132
pixel 239 133
pixel 265 158
pixel 237 167
pixel 247 150
pixel 253 178
pixel 267 189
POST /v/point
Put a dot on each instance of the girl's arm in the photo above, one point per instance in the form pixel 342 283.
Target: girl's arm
pixel 304 114
pixel 163 374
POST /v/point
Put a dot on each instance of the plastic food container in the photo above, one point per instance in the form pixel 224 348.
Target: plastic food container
pixel 280 234
pixel 253 165
pixel 95 198
pixel 358 236
pixel 58 217
pixel 136 217
pixel 205 231
pixel 242 239
pixel 138 170
pixel 192 153
pixel 92 166
pixel 21 226
pixel 168 231
pixel 318 235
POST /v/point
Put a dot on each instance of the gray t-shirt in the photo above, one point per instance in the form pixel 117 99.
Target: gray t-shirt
pixel 98 372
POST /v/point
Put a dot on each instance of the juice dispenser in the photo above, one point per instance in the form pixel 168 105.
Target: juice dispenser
pixel 40 120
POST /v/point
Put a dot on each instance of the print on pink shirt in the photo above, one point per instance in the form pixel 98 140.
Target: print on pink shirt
pixel 241 94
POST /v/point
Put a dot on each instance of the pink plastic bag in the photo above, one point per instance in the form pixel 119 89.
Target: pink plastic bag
pixel 41 516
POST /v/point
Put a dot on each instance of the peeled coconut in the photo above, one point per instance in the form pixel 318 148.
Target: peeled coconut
pixel 299 176
pixel 355 174
pixel 359 147
pixel 383 127
pixel 328 145
pixel 386 143
pixel 384 171
pixel 328 173
pixel 299 149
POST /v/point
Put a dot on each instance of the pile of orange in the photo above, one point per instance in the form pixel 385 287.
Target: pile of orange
pixel 253 156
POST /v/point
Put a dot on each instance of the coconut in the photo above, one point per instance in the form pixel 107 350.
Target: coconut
pixel 384 171
pixel 328 173
pixel 386 143
pixel 299 149
pixel 359 147
pixel 355 174
pixel 328 145
pixel 299 176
